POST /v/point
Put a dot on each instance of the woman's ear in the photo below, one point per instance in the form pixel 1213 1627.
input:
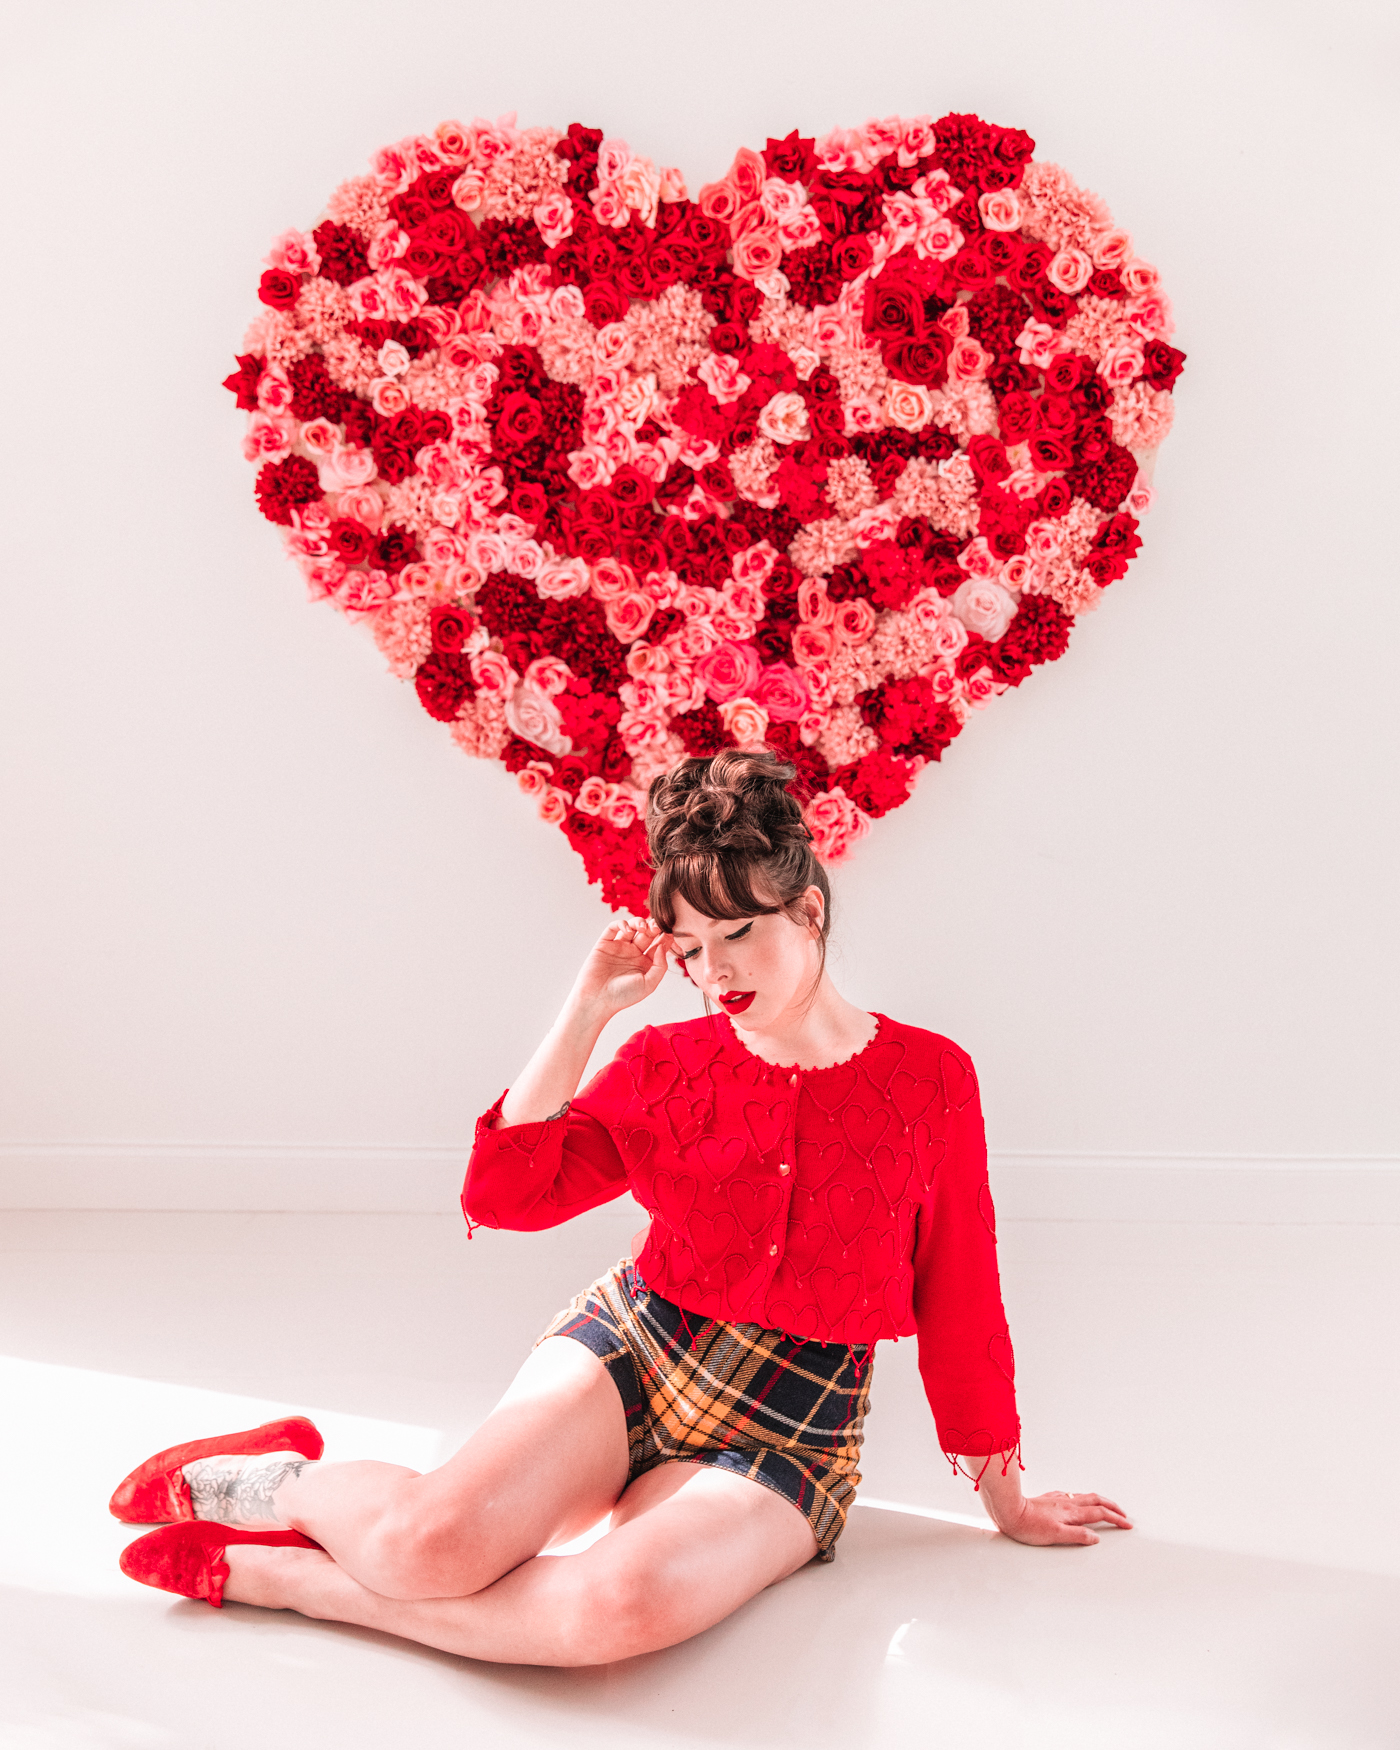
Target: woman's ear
pixel 814 904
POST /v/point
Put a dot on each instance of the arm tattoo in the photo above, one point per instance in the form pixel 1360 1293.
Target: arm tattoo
pixel 560 1113
pixel 239 1495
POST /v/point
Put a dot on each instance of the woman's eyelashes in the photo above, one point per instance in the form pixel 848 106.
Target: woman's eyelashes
pixel 738 936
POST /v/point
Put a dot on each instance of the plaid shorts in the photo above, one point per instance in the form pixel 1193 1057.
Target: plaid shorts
pixel 755 1402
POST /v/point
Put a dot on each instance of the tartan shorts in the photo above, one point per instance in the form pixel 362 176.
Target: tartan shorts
pixel 752 1401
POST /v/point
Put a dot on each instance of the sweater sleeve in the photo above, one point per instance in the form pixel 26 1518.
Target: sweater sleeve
pixel 531 1176
pixel 965 1355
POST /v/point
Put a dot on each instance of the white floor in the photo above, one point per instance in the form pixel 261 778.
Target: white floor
pixel 1232 1384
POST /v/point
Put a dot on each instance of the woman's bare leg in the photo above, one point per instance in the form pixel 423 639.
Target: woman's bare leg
pixel 689 1545
pixel 548 1463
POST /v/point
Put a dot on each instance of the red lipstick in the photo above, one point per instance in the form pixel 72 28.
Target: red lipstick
pixel 736 1001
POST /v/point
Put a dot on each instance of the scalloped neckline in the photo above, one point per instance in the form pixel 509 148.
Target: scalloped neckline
pixel 880 1021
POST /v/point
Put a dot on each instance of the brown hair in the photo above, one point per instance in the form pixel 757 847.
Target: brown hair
pixel 728 837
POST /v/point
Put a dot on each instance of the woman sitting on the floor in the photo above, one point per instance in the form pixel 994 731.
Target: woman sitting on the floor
pixel 817 1180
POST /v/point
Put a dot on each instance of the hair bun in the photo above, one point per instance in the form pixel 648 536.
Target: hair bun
pixel 735 801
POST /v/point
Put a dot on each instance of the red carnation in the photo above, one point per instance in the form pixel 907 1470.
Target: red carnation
pixel 281 486
pixel 877 783
pixel 279 289
pixel 444 684
pixel 1039 632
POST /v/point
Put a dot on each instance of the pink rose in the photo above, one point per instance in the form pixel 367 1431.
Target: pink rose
pixel 345 467
pixel 784 419
pixel 835 824
pixel 363 504
pixel 812 644
pixel 909 405
pixel 640 734
pixel 978 560
pixel 644 659
pixel 757 253
pixel 555 218
pixel 1140 277
pixel 593 793
pixel 492 673
pixel 294 253
pixel 1000 210
pixel 984 607
pixel 942 240
pixel 533 716
pixel 267 439
pixel 534 778
pixel 722 376
pixel 967 361
pixel 629 615
pixel 319 436
pixel 562 578
pixel 609 578
pixel 1070 270
pixel 745 720
pixel 403 296
pixel 554 805
pixel 755 564
pixel 1110 249
pixel 854 620
pixel 549 674
pixel 364 592
pixel 782 693
pixel 729 670
pixel 1122 363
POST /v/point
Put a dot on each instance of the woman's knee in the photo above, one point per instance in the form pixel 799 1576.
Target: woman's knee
pixel 614 1614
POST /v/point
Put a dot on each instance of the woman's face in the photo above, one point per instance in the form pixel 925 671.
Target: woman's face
pixel 760 971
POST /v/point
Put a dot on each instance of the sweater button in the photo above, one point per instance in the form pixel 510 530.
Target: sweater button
pixel 783 1167
pixel 793 1080
pixel 772 1251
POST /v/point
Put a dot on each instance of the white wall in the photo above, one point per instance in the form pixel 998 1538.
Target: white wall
pixel 253 896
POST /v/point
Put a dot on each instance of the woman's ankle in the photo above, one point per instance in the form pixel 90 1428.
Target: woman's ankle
pixel 239 1490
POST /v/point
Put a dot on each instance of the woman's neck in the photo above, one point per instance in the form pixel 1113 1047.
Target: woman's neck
pixel 812 1035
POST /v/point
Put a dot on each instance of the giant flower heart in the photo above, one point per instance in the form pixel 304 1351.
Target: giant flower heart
pixel 828 457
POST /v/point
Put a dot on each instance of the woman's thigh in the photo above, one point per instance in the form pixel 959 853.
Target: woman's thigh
pixel 689 1544
pixel 548 1462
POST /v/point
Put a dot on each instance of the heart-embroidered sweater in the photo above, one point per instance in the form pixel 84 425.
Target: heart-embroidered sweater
pixel 841 1205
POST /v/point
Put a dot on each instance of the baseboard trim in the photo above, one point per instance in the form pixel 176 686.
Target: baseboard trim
pixel 1027 1187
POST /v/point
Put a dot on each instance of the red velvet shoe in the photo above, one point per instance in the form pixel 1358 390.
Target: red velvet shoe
pixel 156 1493
pixel 189 1559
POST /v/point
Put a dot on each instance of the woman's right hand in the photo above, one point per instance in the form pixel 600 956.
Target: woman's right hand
pixel 627 963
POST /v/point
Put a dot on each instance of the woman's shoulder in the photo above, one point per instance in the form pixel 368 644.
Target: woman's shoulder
pixel 934 1053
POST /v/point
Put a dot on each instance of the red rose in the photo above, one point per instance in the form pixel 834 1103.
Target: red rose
pixel 396 547
pixel 792 158
pixel 1016 416
pixel 519 422
pixel 918 361
pixel 852 255
pixel 604 302
pixel 1104 283
pixel 1161 364
pixel 351 540
pixel 988 458
pixel 244 381
pixel 1053 499
pixel 877 783
pixel 892 307
pixel 528 501
pixel 1051 450
pixel 451 629
pixel 1067 370
pixel 279 289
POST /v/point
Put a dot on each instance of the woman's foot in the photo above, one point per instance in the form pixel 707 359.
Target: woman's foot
pixel 238 1489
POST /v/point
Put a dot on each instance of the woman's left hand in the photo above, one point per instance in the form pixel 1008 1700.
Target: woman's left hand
pixel 1057 1517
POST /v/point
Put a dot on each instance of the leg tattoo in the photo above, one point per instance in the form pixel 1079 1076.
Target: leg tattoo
pixel 239 1491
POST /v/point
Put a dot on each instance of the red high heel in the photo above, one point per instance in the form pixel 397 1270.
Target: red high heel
pixel 189 1558
pixel 155 1492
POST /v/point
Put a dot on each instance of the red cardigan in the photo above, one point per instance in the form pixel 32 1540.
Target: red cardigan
pixel 841 1205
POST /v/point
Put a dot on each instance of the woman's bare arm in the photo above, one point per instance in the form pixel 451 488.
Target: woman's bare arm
pixel 627 963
